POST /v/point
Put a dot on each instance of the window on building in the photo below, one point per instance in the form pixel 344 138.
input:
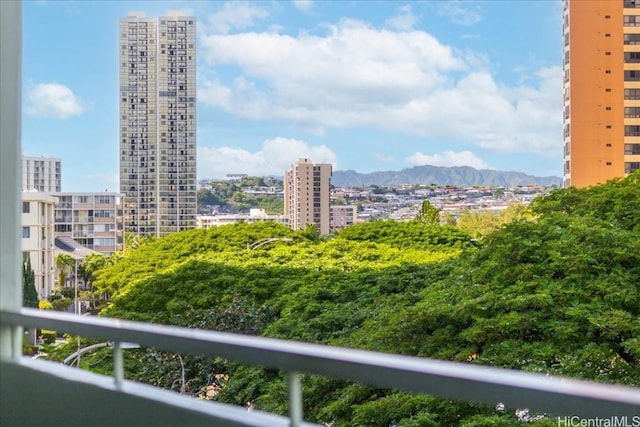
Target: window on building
pixel 631 75
pixel 631 167
pixel 632 130
pixel 632 112
pixel 632 94
pixel 632 39
pixel 26 207
pixel 26 232
pixel 632 149
pixel 631 4
pixel 631 57
pixel 631 20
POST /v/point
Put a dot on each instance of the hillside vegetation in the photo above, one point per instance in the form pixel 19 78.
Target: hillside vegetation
pixel 558 292
pixel 228 196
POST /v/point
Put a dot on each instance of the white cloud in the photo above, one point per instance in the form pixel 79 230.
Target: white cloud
pixel 404 20
pixel 458 14
pixel 303 5
pixel 448 158
pixel 235 15
pixel 359 76
pixel 275 156
pixel 53 100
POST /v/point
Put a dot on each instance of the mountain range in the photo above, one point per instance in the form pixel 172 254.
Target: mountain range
pixel 460 176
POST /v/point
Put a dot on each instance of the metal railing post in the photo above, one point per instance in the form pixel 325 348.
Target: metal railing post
pixel 295 398
pixel 118 364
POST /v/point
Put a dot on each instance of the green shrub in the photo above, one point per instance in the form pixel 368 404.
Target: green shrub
pixel 49 337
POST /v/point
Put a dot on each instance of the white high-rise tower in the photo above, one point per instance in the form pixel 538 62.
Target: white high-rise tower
pixel 158 122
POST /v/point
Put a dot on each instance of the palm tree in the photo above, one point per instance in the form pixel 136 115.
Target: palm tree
pixel 88 267
pixel 64 263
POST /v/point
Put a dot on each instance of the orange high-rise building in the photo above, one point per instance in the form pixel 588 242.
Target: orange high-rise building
pixel 601 90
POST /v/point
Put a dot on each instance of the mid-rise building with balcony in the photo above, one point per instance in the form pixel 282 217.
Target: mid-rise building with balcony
pixel 94 220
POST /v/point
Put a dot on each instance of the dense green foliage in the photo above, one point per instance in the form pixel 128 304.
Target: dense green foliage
pixel 480 223
pixel 556 293
pixel 410 234
pixel 29 293
pixel 204 268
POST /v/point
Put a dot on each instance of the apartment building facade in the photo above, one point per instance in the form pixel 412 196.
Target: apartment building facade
pixel 343 216
pixel 601 90
pixel 158 122
pixel 307 195
pixel 38 239
pixel 42 174
pixel 94 220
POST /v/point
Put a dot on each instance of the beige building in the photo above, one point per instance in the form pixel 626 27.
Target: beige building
pixel 42 174
pixel 94 220
pixel 158 122
pixel 307 195
pixel 601 90
pixel 38 239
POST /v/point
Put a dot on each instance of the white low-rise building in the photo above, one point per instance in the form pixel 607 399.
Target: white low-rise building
pixel 254 215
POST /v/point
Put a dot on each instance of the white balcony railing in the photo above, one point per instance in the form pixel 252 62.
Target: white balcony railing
pixel 554 396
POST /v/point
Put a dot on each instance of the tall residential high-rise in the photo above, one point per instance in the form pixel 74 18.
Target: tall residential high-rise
pixel 601 90
pixel 41 174
pixel 307 195
pixel 158 122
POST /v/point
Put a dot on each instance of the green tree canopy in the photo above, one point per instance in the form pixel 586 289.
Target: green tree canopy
pixel 556 293
pixel 429 214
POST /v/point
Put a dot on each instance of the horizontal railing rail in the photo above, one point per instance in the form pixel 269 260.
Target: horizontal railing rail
pixel 555 396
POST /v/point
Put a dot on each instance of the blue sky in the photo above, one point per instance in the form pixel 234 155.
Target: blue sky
pixel 365 85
